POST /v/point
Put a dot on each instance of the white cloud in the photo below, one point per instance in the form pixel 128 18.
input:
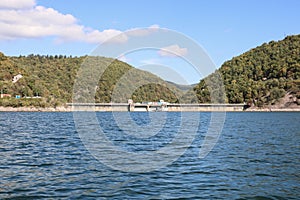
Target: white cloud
pixel 24 19
pixel 123 58
pixel 138 32
pixel 16 4
pixel 151 61
pixel 154 26
pixel 172 51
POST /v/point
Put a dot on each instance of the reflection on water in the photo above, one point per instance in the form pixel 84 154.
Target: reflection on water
pixel 256 157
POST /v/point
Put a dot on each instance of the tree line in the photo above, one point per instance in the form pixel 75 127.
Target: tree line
pixel 259 77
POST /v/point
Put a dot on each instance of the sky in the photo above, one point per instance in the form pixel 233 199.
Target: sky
pixel 223 29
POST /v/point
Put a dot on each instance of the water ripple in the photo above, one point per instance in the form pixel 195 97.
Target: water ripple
pixel 256 157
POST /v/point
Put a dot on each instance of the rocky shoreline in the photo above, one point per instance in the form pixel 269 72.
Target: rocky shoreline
pixel 69 109
pixel 272 110
pixel 35 109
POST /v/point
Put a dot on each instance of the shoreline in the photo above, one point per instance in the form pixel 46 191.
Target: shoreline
pixel 35 109
pixel 273 110
pixel 69 109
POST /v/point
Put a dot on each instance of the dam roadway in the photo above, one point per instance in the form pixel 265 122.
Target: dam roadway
pixel 143 107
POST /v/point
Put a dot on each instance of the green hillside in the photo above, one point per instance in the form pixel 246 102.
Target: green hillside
pixel 52 79
pixel 262 76
pixel 266 75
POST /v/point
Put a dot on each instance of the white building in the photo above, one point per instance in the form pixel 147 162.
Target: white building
pixel 16 78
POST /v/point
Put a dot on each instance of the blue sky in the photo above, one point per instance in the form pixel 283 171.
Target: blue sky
pixel 222 28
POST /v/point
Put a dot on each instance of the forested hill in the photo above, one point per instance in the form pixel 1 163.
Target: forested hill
pixel 266 75
pixel 51 78
pixel 263 76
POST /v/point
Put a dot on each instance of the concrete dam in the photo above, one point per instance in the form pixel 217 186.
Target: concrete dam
pixel 145 107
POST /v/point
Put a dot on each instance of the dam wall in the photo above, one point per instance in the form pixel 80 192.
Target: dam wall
pixel 205 107
pixel 137 107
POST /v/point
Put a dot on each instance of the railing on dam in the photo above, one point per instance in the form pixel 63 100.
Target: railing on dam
pixel 155 107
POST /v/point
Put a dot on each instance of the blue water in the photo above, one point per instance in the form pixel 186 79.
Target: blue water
pixel 257 156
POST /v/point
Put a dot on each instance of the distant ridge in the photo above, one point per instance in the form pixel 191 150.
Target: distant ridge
pixel 182 87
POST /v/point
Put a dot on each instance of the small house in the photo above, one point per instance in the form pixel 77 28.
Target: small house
pixel 16 78
pixel 5 95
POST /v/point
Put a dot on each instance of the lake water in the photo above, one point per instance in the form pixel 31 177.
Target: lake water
pixel 257 156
